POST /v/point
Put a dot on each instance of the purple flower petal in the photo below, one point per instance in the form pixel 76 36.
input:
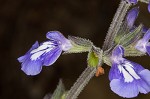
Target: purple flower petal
pixel 118 52
pixel 32 67
pixel 52 56
pixel 28 66
pixel 127 78
pixel 143 87
pixel 149 7
pixel 137 67
pixel 64 43
pixel 147 35
pixel 144 29
pixel 127 90
pixel 144 83
pixel 45 54
pixel 148 49
pixel 131 16
pixel 143 44
pixel 145 75
pixel 35 45
pixel 55 35
pixel 114 73
pixel 23 58
pixel 130 89
pixel 33 60
pixel 133 1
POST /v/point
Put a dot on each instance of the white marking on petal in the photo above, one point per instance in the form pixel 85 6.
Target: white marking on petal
pixel 128 72
pixel 131 71
pixel 42 49
pixel 48 43
pixel 37 55
pixel 121 51
pixel 49 49
pixel 128 64
pixel 120 68
pixel 127 76
pixel 43 46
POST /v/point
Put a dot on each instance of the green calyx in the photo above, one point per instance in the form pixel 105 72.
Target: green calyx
pixel 93 59
pixel 125 39
pixel 79 45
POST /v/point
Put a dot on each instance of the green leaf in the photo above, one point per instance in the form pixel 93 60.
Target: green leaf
pixel 93 59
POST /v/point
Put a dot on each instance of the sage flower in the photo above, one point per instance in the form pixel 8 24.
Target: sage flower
pixel 132 16
pixel 44 54
pixel 128 79
pixel 143 44
pixel 149 6
pixel 133 1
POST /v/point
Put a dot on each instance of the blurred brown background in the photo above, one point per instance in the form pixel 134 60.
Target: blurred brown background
pixel 22 22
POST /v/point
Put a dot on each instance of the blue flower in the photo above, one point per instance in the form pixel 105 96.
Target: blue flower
pixel 133 1
pixel 143 44
pixel 136 1
pixel 128 79
pixel 44 54
pixel 132 16
pixel 149 6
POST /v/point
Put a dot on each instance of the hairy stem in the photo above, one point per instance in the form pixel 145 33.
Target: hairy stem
pixel 81 82
pixel 145 1
pixel 116 23
pixel 89 72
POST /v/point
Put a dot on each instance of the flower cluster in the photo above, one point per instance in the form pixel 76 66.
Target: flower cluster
pixel 136 1
pixel 44 54
pixel 128 79
pixel 143 44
